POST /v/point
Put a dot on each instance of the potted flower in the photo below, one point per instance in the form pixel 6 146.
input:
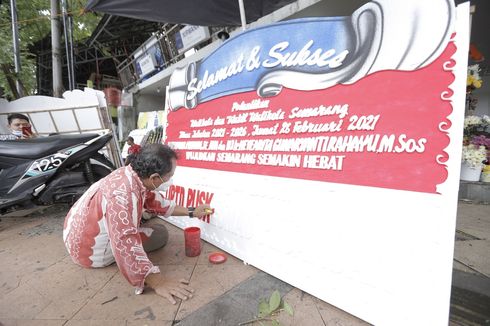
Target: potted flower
pixel 475 126
pixel 485 173
pixel 473 81
pixel 472 162
pixel 483 140
pixel 476 147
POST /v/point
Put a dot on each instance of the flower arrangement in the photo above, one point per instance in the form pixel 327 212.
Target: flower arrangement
pixel 473 79
pixel 481 140
pixel 476 143
pixel 474 155
pixel 475 126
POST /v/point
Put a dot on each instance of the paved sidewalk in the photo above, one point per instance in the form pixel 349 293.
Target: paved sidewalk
pixel 470 295
pixel 39 285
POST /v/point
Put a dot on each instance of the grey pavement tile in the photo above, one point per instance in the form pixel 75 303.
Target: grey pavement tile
pixel 47 220
pixel 175 233
pixel 29 255
pixel 471 282
pixel 221 311
pixel 60 290
pixel 469 307
pixel 150 323
pixel 71 287
pixel 260 285
pixel 40 285
pixel 12 227
pixel 305 311
pixel 177 271
pixel 26 256
pixel 209 249
pixel 23 302
pixel 474 254
pixel 117 301
pixel 462 267
pixel 217 279
pixel 310 311
pixel 453 323
pixel 97 322
pixel 211 281
pixel 198 301
pixel 333 316
pixel 474 219
pixel 31 322
pixel 172 254
pixel 237 305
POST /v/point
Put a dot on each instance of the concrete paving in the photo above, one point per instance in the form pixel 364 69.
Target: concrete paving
pixel 39 285
pixel 470 295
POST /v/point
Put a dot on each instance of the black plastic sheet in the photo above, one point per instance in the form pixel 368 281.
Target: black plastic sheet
pixel 192 12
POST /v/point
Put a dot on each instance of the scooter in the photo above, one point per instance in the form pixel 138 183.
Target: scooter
pixel 50 170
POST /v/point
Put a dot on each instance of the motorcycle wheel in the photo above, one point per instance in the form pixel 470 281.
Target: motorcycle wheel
pixel 71 195
pixel 100 172
pixel 99 159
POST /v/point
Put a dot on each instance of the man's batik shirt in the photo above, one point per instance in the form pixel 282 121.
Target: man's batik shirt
pixel 103 226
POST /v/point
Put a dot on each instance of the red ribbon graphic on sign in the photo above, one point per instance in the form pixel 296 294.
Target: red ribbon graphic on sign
pixel 386 130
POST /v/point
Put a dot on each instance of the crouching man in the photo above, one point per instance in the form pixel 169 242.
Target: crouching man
pixel 104 225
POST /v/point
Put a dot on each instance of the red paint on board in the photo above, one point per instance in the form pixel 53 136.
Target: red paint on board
pixel 404 109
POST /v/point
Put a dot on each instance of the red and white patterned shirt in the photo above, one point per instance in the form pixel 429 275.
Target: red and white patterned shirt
pixel 103 226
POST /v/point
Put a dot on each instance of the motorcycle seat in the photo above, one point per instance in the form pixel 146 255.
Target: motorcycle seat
pixel 39 147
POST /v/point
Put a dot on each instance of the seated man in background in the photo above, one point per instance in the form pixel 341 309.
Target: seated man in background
pixel 19 126
pixel 104 225
pixel 133 150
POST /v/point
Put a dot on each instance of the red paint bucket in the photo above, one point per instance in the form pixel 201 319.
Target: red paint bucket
pixel 192 238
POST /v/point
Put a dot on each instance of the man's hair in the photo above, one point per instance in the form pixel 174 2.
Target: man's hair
pixel 153 158
pixel 13 116
pixel 131 139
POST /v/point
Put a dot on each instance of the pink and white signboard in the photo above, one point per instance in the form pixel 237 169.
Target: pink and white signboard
pixel 330 150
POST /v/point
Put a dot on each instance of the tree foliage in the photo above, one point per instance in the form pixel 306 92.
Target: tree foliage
pixel 34 24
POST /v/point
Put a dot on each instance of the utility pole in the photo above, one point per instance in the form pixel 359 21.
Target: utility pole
pixel 15 37
pixel 55 49
pixel 242 15
pixel 67 27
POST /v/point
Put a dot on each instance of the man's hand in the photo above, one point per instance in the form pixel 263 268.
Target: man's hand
pixel 169 289
pixel 27 135
pixel 203 212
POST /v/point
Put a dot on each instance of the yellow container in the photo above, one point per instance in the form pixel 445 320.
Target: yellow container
pixel 485 174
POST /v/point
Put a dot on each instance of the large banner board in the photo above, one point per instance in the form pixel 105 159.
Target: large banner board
pixel 330 150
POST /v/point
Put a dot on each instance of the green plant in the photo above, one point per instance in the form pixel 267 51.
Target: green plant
pixel 34 25
pixel 268 310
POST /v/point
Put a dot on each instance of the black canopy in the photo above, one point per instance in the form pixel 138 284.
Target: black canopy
pixel 192 12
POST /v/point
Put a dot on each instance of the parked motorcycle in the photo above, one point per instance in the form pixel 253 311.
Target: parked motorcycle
pixel 50 170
